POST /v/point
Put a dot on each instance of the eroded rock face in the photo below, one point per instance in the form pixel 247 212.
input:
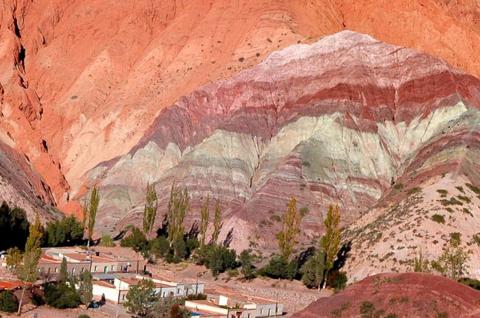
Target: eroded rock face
pixel 401 295
pixel 80 82
pixel 338 121
pixel 21 186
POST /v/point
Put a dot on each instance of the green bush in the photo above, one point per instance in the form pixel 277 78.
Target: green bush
pixel 217 258
pixel 337 280
pixel 8 302
pixel 279 268
pixel 438 218
pixel 84 316
pixel 135 240
pixel 159 247
pixel 62 295
pixel 471 282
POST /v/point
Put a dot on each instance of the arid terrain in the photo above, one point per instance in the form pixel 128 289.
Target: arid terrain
pixel 373 106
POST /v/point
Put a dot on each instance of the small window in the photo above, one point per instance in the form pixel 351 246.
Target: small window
pixel 56 269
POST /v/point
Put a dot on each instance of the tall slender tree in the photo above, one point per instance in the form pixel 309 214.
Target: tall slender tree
pixel 85 289
pixel 178 206
pixel 204 220
pixel 217 222
pixel 150 211
pixel 287 237
pixel 90 213
pixel 330 242
pixel 27 271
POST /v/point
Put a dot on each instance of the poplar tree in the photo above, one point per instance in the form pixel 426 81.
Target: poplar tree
pixel 27 271
pixel 290 229
pixel 150 211
pixel 90 213
pixel 178 206
pixel 217 222
pixel 330 242
pixel 205 216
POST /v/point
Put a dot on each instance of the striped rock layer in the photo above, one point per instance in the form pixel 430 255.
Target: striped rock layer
pixel 339 121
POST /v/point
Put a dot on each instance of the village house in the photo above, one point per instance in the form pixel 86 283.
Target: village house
pixel 229 304
pixel 80 260
pixel 117 290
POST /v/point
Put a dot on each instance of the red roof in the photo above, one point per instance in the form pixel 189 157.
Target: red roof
pixel 11 284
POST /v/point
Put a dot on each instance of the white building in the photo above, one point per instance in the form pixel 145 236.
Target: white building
pixel 117 291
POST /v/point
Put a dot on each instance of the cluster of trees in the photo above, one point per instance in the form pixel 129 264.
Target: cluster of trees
pixel 173 243
pixel 65 232
pixel 69 291
pixel 317 268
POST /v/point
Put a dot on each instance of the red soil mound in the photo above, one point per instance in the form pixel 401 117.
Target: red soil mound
pixel 399 295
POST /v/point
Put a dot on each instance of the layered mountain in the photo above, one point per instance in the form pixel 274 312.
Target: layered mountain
pixel 80 82
pixel 121 94
pixel 346 120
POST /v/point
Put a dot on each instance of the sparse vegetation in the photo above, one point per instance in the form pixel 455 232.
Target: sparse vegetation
pixel 443 193
pixel 476 238
pixel 438 218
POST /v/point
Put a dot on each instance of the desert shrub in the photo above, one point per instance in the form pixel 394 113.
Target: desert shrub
pixel 476 238
pixel 337 280
pixel 443 193
pixel 415 190
pixel 8 302
pixel 84 316
pixel 367 309
pixel 398 186
pixel 438 218
pixel 276 218
pixel 233 273
pixel 456 237
pixel 473 188
pixel 464 198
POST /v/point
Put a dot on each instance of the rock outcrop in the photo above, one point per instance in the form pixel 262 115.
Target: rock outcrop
pixel 398 295
pixel 339 121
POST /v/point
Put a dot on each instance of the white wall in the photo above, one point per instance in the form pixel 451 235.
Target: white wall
pixel 111 294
